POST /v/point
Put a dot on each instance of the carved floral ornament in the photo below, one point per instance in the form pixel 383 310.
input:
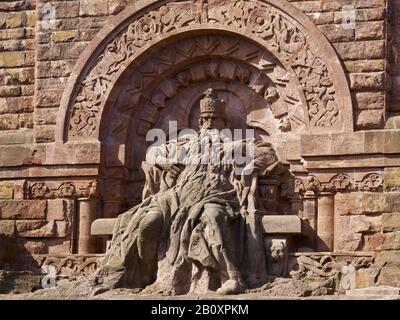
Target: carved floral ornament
pixel 372 182
pixel 236 61
pixel 278 33
pixel 72 266
pixel 67 190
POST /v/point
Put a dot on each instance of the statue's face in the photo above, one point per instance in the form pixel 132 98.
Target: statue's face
pixel 211 121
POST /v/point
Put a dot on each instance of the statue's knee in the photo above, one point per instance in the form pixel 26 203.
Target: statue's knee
pixel 151 224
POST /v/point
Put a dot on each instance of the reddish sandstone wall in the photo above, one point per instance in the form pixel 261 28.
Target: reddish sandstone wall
pixel 41 41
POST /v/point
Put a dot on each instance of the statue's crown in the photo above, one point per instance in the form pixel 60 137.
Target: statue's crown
pixel 210 103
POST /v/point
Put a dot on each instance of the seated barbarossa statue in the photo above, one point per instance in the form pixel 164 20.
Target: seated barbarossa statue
pixel 199 227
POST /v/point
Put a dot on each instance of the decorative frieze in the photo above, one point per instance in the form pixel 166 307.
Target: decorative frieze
pixel 69 190
pixel 371 182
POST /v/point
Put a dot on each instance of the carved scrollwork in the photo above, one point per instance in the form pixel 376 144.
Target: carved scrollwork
pixel 39 190
pixel 73 266
pixel 282 37
pixel 372 182
pixel 299 186
pixel 340 269
pixel 341 182
pixel 318 266
pixel 313 184
pixel 68 190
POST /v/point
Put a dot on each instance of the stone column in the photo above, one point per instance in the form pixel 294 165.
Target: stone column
pixel 87 214
pixel 310 214
pixel 325 222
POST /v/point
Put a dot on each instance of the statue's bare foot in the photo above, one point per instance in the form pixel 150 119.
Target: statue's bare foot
pixel 231 287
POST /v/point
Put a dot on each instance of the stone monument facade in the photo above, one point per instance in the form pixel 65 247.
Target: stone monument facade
pixel 82 82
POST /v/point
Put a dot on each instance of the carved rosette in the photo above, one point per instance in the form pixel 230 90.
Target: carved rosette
pixel 282 37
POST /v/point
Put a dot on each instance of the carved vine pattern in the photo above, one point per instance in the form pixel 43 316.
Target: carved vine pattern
pixel 283 39
pixel 66 190
pixel 72 266
pixel 372 182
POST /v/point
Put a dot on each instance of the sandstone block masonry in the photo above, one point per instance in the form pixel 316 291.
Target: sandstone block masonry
pixel 52 189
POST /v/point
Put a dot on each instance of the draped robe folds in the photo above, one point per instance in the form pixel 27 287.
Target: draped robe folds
pixel 182 204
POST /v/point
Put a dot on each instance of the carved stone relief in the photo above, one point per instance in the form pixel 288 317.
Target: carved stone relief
pixel 72 190
pixel 281 35
pixel 371 182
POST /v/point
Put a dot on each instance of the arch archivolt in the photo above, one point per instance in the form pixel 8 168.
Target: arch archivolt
pixel 149 88
pixel 292 46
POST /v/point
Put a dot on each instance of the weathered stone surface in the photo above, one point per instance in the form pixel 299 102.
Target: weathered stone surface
pixel 369 100
pixel 392 202
pixel 369 119
pixel 68 9
pixel 391 141
pixel 7 228
pixel 348 242
pixel 45 116
pixel 33 247
pixel 360 203
pixel 390 222
pixel 64 36
pixel 336 33
pixel 59 247
pixel 44 134
pixel 374 291
pixel 389 276
pixel 15 20
pixel 370 30
pixel 361 50
pixel 35 228
pixel 363 224
pixel 48 98
pixel 93 8
pixel 16 105
pixel 6 192
pixel 18 282
pixel 12 59
pixel 392 241
pixel 390 258
pixel 367 81
pixel 62 229
pixel 392 179
pixel 23 209
pixel 60 209
pixel 365 277
pixel 14 155
pixel 10 91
